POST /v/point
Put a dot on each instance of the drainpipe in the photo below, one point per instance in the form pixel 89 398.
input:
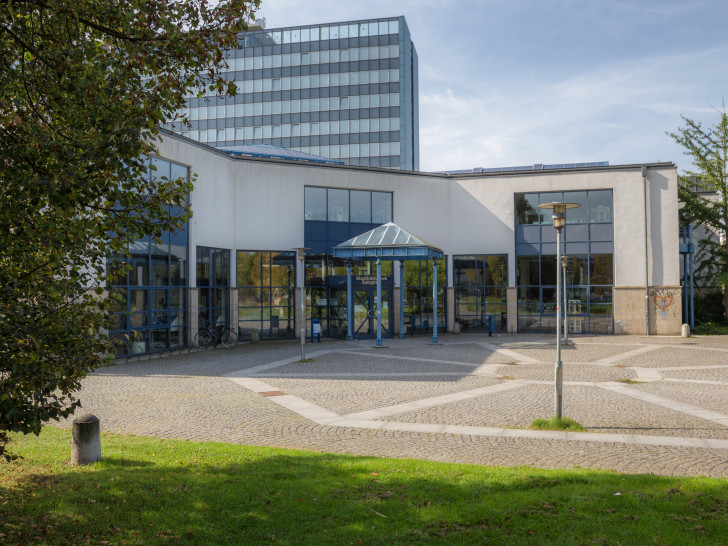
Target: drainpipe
pixel 647 272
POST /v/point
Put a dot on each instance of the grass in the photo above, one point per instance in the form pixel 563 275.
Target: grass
pixel 711 329
pixel 555 423
pixel 151 491
pixel 629 381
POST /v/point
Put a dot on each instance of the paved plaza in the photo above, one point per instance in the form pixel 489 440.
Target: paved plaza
pixel 650 404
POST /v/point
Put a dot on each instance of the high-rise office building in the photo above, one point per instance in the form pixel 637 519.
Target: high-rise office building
pixel 346 91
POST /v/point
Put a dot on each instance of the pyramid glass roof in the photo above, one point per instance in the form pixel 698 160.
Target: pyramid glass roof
pixel 389 242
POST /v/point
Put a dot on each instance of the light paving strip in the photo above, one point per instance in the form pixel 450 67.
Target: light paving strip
pixel 621 357
pixel 708 415
pixel 698 381
pixel 358 375
pixel 716 367
pixel 271 365
pixel 647 374
pixel 434 401
pixel 414 358
pixel 323 416
pixel 507 352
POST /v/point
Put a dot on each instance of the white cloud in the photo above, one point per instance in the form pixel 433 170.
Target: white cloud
pixel 617 112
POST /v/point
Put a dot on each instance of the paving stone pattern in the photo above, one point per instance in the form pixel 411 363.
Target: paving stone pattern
pixel 449 402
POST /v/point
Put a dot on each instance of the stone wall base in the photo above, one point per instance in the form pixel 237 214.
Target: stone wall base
pixel 665 310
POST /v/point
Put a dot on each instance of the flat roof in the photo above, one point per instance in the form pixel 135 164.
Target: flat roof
pixel 548 169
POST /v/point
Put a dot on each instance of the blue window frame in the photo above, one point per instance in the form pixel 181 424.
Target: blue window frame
pixel 588 243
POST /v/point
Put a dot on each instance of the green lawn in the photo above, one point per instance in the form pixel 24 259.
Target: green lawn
pixel 162 491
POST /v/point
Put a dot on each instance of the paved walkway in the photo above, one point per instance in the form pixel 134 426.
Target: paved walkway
pixel 650 404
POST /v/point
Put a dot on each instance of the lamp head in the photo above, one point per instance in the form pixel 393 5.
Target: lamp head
pixel 558 212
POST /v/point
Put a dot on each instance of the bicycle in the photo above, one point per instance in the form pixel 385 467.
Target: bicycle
pixel 208 335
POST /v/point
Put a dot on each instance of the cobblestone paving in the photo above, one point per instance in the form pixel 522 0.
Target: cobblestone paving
pixel 683 432
pixel 337 362
pixel 346 396
pixel 460 352
pixel 572 372
pixel 712 397
pixel 678 356
pixel 710 374
pixel 594 408
pixel 575 353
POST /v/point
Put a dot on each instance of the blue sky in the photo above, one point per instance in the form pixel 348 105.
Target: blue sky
pixel 517 82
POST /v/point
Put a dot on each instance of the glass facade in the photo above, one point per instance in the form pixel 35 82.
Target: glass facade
pixel 418 309
pixel 480 283
pixel 332 216
pixel 266 294
pixel 213 285
pixel 588 243
pixel 346 91
pixel 152 314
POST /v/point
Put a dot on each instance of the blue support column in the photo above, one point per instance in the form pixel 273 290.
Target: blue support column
pixel 401 299
pixel 379 302
pixel 434 301
pixel 349 305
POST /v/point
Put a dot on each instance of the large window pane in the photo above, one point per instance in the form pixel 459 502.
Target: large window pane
pixel 315 203
pixel 528 268
pixel 361 206
pixel 381 207
pixel 577 269
pixel 579 215
pixel 527 211
pixel 600 269
pixel 496 270
pixel 248 268
pixel 600 206
pixel 338 205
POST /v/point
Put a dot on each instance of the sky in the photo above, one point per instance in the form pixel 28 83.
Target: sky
pixel 517 82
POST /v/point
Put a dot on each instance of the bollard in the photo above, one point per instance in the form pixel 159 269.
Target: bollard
pixel 685 330
pixel 86 446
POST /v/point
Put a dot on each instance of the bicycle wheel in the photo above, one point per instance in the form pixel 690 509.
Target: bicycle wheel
pixel 203 338
pixel 229 339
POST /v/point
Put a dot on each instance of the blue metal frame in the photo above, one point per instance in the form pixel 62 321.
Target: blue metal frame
pixel 687 250
pixel 400 252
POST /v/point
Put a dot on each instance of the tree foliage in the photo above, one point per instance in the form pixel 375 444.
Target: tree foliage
pixel 85 86
pixel 703 191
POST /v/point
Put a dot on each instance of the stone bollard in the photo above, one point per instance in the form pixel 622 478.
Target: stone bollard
pixel 86 446
pixel 685 330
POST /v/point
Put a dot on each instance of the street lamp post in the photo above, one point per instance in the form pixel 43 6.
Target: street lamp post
pixel 301 255
pixel 564 261
pixel 558 215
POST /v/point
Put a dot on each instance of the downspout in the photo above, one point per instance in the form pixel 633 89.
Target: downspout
pixel 647 271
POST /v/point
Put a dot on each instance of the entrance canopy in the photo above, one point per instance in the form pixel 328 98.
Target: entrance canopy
pixel 388 242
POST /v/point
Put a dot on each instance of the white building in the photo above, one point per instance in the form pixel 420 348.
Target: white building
pixel 236 263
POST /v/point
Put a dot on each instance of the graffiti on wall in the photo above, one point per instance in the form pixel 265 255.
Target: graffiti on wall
pixel 663 299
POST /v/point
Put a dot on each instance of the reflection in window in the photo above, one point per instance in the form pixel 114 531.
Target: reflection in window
pixel 314 203
pixel 589 277
pixel 212 266
pixel 418 308
pixel 266 293
pixel 480 284
pixel 150 315
pixel 338 205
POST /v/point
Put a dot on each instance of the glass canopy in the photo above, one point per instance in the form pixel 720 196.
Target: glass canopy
pixel 388 242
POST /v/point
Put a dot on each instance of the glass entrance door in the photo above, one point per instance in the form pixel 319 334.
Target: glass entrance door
pixel 365 313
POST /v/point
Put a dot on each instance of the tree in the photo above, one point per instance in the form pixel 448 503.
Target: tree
pixel 85 86
pixel 704 193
